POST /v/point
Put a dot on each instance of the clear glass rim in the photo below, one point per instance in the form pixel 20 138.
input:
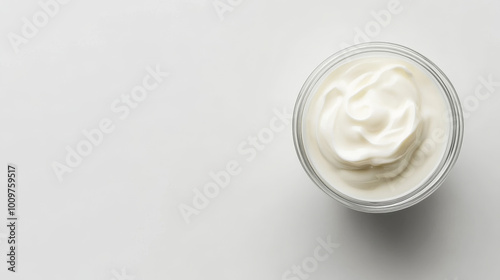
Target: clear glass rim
pixel 453 146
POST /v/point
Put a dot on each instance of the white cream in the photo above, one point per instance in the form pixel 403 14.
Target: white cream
pixel 366 124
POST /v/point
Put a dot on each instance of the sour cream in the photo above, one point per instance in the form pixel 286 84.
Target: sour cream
pixel 370 127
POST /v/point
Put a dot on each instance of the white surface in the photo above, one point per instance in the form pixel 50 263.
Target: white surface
pixel 119 208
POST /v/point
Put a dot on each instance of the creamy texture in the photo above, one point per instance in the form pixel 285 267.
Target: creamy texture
pixel 367 121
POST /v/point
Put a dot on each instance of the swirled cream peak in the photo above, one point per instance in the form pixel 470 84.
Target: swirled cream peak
pixel 370 120
pixel 367 126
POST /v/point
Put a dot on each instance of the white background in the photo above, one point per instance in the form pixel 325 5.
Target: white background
pixel 116 216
